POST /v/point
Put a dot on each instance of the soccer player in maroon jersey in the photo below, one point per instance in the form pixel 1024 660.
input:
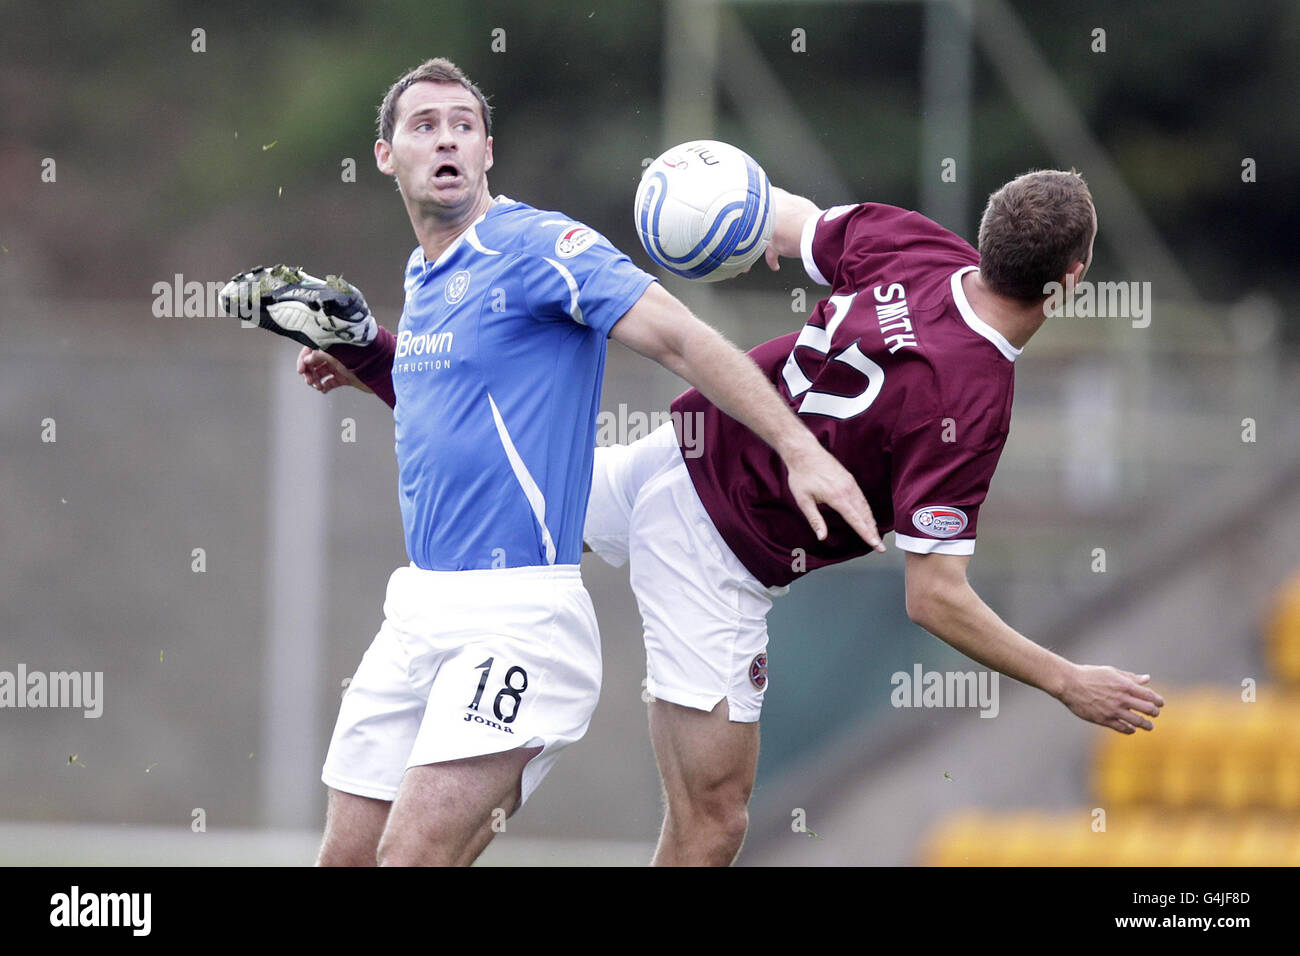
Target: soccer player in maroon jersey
pixel 905 374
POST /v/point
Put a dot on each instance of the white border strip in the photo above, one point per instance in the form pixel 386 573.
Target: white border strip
pixel 536 500
pixel 933 546
pixel 1008 350
pixel 805 250
pixel 575 310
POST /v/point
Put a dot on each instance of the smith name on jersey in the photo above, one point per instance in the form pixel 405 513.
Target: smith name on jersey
pixel 895 374
pixel 497 373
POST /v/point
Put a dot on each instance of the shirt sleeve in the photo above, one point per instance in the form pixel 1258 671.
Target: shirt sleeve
pixel 372 363
pixel 865 228
pixel 581 277
pixel 939 484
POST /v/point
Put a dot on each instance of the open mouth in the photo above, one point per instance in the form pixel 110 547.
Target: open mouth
pixel 447 172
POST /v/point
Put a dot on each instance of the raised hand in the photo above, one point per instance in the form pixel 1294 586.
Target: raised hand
pixel 324 372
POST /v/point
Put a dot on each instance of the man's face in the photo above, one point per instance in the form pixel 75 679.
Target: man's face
pixel 440 152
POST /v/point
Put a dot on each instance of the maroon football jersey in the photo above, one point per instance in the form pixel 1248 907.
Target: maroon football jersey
pixel 896 376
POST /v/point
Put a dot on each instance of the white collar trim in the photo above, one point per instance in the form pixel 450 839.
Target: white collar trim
pixel 425 264
pixel 1009 351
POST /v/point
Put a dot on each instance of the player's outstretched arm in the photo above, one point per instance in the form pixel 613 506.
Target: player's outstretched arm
pixel 941 600
pixel 659 327
pixel 789 214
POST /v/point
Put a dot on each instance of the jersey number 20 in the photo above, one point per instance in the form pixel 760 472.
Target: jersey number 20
pixel 819 340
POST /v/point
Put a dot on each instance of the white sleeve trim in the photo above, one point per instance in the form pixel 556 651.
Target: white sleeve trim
pixel 805 250
pixel 574 310
pixel 933 545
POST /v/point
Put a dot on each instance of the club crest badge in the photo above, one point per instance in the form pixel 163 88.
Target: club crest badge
pixel 457 286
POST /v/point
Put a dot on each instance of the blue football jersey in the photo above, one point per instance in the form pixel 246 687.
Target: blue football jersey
pixel 497 374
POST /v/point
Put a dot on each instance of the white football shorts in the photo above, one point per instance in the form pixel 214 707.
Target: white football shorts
pixel 704 614
pixel 468 663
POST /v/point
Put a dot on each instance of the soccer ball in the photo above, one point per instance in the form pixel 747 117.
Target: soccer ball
pixel 704 211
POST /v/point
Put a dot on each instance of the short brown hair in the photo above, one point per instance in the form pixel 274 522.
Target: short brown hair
pixel 437 70
pixel 1033 229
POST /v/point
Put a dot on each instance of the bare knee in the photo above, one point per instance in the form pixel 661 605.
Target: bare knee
pixel 398 847
pixel 723 807
pixel 353 825
pixel 710 821
pixel 342 855
pixel 730 821
pixel 395 851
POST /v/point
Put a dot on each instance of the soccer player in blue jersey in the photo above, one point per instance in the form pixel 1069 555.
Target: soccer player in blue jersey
pixel 488 660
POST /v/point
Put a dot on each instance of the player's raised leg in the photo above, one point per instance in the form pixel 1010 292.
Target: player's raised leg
pixel 444 812
pixel 705 625
pixel 353 826
pixel 708 762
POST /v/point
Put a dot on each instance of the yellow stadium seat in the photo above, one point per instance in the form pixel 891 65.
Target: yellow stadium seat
pixel 1282 633
pixel 1080 845
pixel 1265 840
pixel 1034 839
pixel 1247 740
pixel 1286 773
pixel 1188 775
pixel 1141 838
pixel 1204 840
pixel 1133 837
pixel 959 841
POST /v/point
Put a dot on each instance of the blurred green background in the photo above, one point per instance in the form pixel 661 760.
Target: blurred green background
pixel 161 156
